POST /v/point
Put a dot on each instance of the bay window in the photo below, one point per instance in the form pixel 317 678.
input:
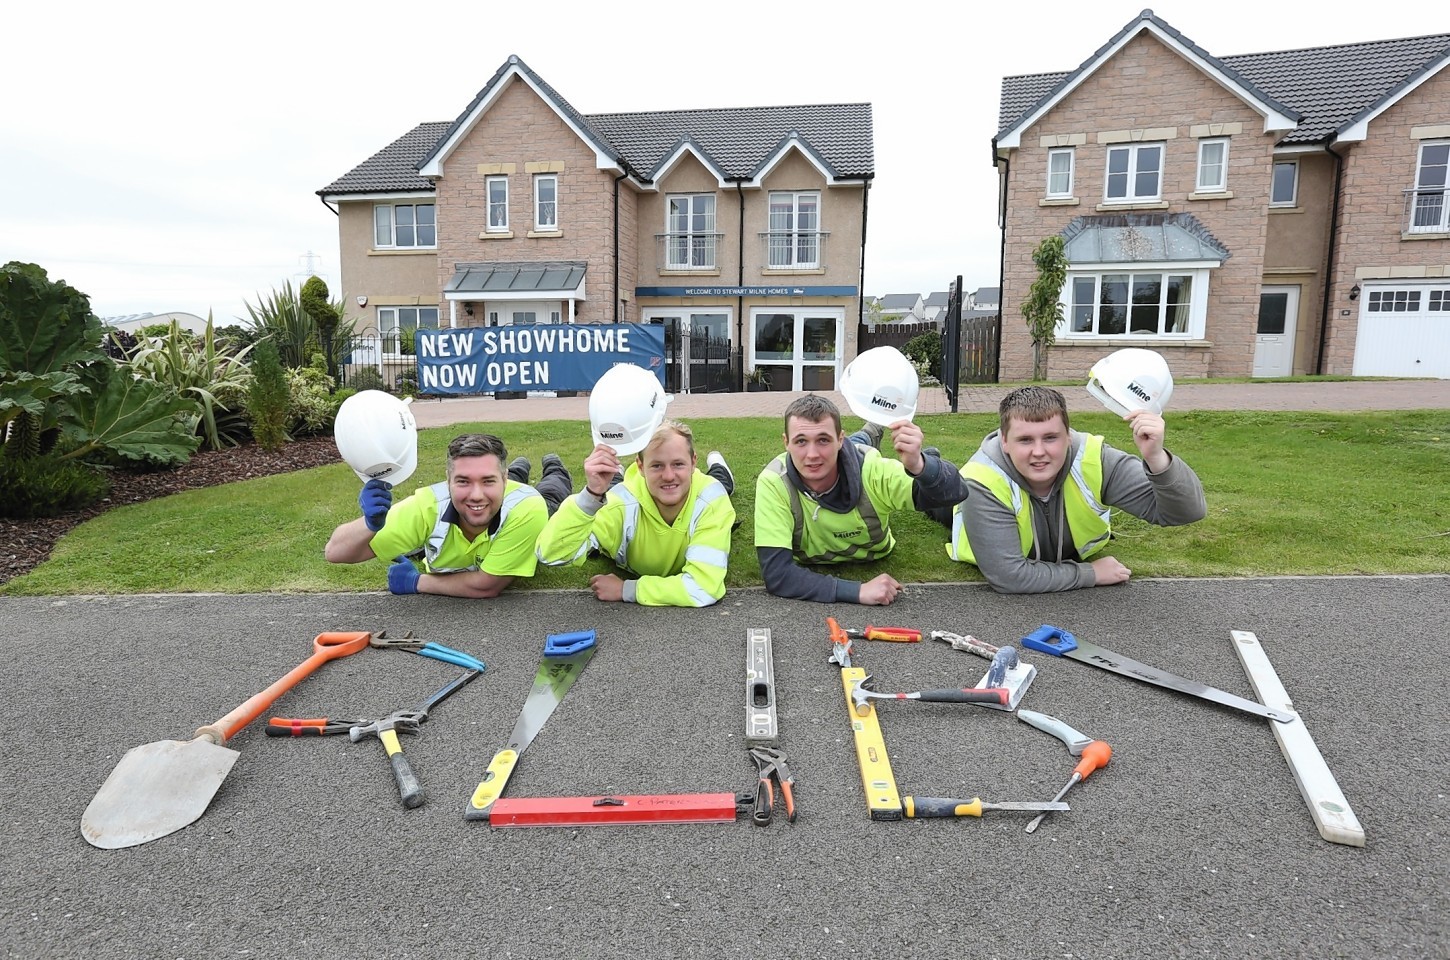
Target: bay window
pixel 1136 303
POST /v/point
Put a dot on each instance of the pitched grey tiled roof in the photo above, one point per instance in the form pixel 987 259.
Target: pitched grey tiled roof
pixel 1326 86
pixel 740 139
pixel 737 140
pixel 899 301
pixel 393 168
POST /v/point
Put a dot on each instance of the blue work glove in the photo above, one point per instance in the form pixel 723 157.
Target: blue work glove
pixel 403 576
pixel 375 499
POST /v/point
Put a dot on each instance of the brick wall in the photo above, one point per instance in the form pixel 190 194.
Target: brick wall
pixel 1373 217
pixel 520 129
pixel 1145 86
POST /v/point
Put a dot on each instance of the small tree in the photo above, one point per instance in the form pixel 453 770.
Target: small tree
pixel 268 397
pixel 324 316
pixel 1043 306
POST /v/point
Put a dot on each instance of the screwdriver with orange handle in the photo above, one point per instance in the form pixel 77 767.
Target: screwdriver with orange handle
pixel 893 634
pixel 1095 755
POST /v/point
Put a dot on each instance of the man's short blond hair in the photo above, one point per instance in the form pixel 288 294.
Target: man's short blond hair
pixel 669 428
pixel 1032 405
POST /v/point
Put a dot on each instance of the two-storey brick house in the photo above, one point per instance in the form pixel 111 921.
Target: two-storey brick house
pixel 1259 215
pixel 737 227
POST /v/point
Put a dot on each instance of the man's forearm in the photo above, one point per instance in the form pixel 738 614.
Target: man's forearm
pixel 786 578
pixel 471 584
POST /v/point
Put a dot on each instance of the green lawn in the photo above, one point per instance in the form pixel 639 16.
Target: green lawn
pixel 1288 493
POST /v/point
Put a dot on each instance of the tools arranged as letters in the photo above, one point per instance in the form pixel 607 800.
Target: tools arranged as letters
pixel 1007 670
pixel 386 729
pixel 860 696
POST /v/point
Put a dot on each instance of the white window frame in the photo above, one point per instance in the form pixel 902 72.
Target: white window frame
pixel 1423 217
pixel 1197 272
pixel 1134 151
pixel 1205 167
pixel 787 242
pixel 798 362
pixel 697 245
pixel 493 206
pixel 390 322
pixel 546 212
pixel 1071 155
pixel 1293 200
pixel 386 230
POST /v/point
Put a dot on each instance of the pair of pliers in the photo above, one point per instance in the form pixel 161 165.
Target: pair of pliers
pixel 436 651
pixel 772 767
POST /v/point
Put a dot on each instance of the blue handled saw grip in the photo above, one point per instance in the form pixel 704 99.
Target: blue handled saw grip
pixel 1050 639
pixel 566 644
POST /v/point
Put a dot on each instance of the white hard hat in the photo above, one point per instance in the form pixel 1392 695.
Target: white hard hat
pixel 880 386
pixel 625 407
pixel 377 436
pixel 1131 379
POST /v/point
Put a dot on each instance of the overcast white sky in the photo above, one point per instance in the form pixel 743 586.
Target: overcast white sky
pixel 165 156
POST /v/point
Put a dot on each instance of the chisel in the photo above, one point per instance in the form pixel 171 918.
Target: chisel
pixel 950 807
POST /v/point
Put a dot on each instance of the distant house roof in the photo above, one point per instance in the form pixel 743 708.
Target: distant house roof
pixel 737 143
pixel 987 294
pixel 899 301
pixel 1328 89
pixel 937 298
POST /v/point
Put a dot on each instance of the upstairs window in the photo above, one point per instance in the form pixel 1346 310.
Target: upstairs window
pixel 1429 206
pixel 1212 166
pixel 498 204
pixel 1134 172
pixel 794 239
pixel 1059 173
pixel 546 202
pixel 404 225
pixel 1285 190
pixel 690 232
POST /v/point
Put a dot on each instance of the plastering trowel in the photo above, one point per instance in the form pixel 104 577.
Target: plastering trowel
pixel 1007 669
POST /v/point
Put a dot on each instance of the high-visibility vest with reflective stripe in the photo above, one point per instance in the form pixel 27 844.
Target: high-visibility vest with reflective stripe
pixel 1087 518
pixel 863 516
pixel 676 588
pixel 434 544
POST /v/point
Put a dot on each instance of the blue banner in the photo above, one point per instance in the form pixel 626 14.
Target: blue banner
pixel 473 360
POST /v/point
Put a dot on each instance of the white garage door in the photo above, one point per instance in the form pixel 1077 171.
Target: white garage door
pixel 1404 330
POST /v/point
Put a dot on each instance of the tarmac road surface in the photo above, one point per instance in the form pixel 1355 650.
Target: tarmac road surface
pixel 1193 842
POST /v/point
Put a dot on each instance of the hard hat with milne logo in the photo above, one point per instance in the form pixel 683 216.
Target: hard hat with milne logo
pixel 377 436
pixel 626 405
pixel 1131 379
pixel 881 386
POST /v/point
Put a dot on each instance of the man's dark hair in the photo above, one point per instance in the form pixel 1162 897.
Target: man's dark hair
pixel 1032 405
pixel 813 408
pixel 476 445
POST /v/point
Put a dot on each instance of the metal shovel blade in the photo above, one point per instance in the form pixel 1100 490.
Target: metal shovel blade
pixel 156 789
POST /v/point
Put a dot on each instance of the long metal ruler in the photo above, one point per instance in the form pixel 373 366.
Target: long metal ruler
pixel 1327 805
pixel 882 797
pixel 760 719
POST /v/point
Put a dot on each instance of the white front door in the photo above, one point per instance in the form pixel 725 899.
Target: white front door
pixel 1274 337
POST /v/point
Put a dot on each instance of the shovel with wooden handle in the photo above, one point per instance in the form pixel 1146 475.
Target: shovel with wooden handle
pixel 161 787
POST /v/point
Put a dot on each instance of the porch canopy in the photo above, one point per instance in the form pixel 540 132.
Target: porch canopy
pixel 1140 238
pixel 527 280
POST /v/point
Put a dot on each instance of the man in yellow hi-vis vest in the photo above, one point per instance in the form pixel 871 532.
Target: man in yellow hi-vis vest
pixel 472 534
pixel 1037 516
pixel 829 498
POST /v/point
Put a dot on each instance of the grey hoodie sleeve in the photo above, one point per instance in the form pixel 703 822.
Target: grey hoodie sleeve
pixel 939 484
pixel 786 578
pixel 992 530
pixel 1168 499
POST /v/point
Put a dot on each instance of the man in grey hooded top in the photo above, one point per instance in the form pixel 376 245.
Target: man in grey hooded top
pixel 1037 517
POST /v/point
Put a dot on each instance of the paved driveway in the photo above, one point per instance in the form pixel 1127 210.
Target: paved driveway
pixel 1194 842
